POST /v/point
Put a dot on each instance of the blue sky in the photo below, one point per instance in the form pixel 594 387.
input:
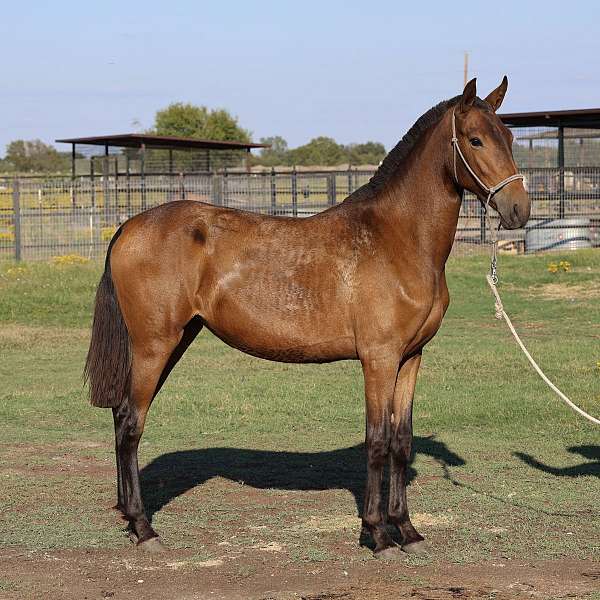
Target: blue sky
pixel 353 70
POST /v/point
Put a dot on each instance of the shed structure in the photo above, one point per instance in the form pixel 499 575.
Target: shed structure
pixel 145 154
pixel 560 152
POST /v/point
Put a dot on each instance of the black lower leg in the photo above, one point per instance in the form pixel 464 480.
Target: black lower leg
pixel 377 453
pixel 398 505
pixel 120 495
pixel 128 435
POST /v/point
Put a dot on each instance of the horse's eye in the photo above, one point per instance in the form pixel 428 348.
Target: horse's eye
pixel 476 142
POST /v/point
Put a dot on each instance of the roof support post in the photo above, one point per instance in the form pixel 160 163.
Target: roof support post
pixel 128 195
pixel 105 192
pixel 561 172
pixel 170 173
pixel 73 155
pixel 143 174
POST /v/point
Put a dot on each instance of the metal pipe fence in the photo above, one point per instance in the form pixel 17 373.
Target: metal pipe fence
pixel 43 217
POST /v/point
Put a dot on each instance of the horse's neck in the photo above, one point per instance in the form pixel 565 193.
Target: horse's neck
pixel 422 202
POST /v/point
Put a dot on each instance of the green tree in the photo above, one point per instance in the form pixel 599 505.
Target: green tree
pixel 33 156
pixel 189 120
pixel 276 154
pixel 220 125
pixel 321 150
pixel 369 153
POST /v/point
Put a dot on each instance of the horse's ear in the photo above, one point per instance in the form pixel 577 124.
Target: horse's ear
pixel 495 98
pixel 468 95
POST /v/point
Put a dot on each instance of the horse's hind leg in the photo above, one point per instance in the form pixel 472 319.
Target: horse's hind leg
pixel 401 442
pixel 151 363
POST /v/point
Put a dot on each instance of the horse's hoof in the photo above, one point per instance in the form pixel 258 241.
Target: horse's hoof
pixel 420 547
pixel 391 553
pixel 153 546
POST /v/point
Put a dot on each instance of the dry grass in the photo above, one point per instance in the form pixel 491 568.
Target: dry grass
pixel 566 291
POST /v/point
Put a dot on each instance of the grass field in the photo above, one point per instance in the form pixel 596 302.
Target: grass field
pixel 253 468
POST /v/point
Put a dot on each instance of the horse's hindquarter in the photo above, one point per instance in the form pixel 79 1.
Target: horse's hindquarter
pixel 277 288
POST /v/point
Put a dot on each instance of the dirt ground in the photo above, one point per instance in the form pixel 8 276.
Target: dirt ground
pixel 128 573
pixel 243 559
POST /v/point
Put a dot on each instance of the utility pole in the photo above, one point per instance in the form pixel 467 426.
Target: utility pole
pixel 466 69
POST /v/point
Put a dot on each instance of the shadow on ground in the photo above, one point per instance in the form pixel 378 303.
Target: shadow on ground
pixel 173 474
pixel 592 467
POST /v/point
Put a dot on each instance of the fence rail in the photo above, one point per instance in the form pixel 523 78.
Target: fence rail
pixel 41 217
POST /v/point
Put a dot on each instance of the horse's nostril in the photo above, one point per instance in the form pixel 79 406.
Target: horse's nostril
pixel 516 210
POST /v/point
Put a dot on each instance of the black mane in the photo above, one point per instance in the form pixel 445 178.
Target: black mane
pixel 396 156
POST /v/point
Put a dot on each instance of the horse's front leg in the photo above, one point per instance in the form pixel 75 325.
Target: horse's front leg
pixel 401 442
pixel 380 369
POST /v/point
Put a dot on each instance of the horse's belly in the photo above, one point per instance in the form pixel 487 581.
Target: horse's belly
pixel 280 349
pixel 282 330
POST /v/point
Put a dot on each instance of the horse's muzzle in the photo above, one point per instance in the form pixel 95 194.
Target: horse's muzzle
pixel 513 207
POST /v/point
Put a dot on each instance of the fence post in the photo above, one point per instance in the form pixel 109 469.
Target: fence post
pixel 143 175
pixel 224 198
pixel 181 186
pixel 350 190
pixel 17 217
pixel 93 185
pixel 273 191
pixel 217 188
pixel 332 191
pixel 294 193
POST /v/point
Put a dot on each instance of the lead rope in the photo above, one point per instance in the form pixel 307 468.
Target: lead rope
pixel 492 276
pixel 492 279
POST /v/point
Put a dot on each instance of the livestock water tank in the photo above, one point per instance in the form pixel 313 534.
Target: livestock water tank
pixel 557 234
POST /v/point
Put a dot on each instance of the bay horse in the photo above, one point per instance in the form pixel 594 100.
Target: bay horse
pixel 363 280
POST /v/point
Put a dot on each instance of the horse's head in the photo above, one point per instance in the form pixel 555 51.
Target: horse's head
pixel 485 144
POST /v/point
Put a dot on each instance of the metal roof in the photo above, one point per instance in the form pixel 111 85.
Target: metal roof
pixel 553 134
pixel 588 118
pixel 137 140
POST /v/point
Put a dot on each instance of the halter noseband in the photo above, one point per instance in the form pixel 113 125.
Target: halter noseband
pixel 489 190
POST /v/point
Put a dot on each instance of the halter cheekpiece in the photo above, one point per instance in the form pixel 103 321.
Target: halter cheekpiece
pixel 489 190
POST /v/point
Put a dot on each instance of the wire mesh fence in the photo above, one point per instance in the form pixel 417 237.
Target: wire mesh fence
pixel 42 217
pixel 541 146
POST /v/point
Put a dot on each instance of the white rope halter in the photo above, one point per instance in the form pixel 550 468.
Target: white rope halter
pixel 489 190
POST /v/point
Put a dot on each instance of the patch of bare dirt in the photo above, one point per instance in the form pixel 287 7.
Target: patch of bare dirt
pixel 26 335
pixel 262 574
pixel 564 291
pixel 44 459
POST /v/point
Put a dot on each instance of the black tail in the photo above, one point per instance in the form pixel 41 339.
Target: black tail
pixel 108 363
